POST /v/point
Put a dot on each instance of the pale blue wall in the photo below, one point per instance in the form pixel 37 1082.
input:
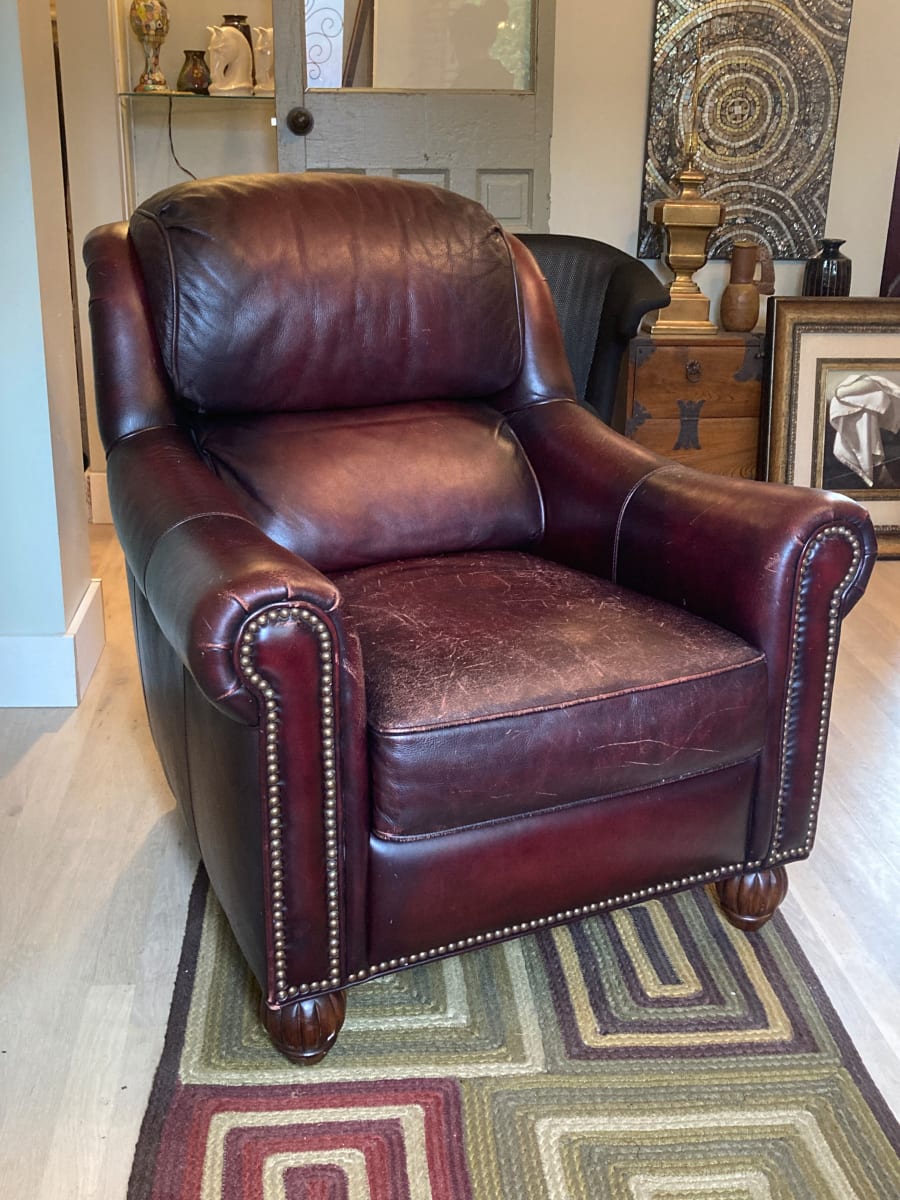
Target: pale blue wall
pixel 44 560
pixel 31 599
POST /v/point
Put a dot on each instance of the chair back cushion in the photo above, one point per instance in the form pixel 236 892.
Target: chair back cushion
pixel 343 489
pixel 321 291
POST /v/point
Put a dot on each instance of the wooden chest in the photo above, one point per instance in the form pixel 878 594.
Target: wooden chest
pixel 697 402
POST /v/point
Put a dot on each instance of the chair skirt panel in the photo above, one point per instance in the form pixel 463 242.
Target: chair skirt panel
pixel 342 489
pixel 500 685
pixel 438 895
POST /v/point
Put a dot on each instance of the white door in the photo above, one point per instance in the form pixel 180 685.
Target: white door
pixel 457 93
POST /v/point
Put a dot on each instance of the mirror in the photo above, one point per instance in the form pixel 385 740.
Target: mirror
pixel 480 45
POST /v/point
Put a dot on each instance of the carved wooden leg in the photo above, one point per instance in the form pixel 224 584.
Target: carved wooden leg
pixel 748 901
pixel 305 1030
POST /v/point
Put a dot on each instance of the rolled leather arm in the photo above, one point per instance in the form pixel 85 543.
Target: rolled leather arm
pixel 203 565
pixel 727 549
pixel 779 566
pixel 733 550
pixel 199 560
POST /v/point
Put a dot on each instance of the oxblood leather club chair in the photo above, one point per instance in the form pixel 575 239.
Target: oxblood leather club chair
pixel 432 657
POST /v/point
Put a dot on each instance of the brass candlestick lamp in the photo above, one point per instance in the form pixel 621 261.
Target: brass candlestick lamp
pixel 688 222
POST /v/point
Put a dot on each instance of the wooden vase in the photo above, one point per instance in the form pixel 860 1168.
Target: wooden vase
pixel 739 309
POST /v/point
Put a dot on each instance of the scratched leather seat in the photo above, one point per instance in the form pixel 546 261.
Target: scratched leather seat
pixel 432 657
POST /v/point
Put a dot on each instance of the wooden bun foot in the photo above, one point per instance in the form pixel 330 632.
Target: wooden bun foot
pixel 748 901
pixel 305 1029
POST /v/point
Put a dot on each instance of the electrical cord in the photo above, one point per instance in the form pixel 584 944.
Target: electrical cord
pixel 175 159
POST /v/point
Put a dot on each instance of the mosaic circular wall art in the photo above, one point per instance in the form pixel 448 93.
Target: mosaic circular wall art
pixel 764 101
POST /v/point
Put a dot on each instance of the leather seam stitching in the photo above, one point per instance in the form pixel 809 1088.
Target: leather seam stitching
pixel 621 517
pixel 133 433
pixel 538 402
pixel 520 306
pixel 178 525
pixel 542 516
pixel 167 243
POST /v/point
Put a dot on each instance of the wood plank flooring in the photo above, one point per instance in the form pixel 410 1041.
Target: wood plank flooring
pixel 95 874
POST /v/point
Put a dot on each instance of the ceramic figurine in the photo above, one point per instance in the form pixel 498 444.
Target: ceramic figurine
pixel 263 46
pixel 239 21
pixel 230 62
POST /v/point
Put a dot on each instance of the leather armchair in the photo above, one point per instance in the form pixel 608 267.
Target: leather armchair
pixel 431 656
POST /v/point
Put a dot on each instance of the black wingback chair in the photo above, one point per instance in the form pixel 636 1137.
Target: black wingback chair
pixel 600 294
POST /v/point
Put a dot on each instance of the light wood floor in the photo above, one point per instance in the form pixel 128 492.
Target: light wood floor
pixel 95 876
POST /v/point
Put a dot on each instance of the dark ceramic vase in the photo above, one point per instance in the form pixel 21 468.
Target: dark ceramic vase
pixel 194 74
pixel 828 272
pixel 239 21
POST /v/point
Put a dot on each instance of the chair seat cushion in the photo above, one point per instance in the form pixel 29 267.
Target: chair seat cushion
pixel 501 685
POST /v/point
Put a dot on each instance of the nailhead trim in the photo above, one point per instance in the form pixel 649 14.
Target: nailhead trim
pixel 834 614
pixel 569 914
pixel 285 991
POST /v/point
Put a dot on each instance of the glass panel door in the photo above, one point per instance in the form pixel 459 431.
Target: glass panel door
pixel 455 93
pixel 398 45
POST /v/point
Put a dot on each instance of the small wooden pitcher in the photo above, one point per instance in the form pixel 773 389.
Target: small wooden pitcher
pixel 739 310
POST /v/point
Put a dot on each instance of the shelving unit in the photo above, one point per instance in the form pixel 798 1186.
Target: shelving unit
pixel 208 135
pixel 196 96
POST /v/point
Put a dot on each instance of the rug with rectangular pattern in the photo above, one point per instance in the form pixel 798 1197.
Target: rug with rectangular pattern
pixel 651 1054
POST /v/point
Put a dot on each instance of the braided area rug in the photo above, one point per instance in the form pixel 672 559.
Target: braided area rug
pixel 654 1053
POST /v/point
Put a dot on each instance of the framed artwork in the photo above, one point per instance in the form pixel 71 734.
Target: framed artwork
pixel 759 83
pixel 890 276
pixel 834 402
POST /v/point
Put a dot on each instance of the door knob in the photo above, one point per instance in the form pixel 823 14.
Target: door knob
pixel 299 121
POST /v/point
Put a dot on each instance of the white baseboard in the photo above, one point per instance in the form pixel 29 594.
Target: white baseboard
pixel 98 498
pixel 54 671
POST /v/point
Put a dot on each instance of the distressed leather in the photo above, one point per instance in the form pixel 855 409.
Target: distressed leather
pixel 429 652
pixel 544 687
pixel 241 273
pixel 334 487
pixel 427 894
pixel 789 563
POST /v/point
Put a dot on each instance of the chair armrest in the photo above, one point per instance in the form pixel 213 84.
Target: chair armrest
pixel 616 509
pixel 779 566
pixel 260 631
pixel 203 565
